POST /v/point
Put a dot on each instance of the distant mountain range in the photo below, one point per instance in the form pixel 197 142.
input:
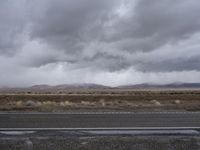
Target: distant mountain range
pixel 172 85
pixel 71 86
pixel 90 86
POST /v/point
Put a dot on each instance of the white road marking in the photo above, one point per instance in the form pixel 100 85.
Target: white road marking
pixel 89 129
pixel 143 132
pixel 16 132
pixel 91 113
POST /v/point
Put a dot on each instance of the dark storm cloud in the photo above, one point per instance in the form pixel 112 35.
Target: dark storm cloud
pixel 168 19
pixel 171 65
pixel 67 24
pixel 71 26
pixel 106 62
pixel 103 36
pixel 12 23
pixel 152 24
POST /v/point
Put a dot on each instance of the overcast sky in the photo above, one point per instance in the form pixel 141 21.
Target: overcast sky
pixel 110 42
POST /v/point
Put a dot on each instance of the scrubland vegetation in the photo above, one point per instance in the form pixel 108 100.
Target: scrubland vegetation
pixel 137 100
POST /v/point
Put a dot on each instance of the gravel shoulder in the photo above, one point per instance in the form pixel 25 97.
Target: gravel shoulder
pixel 101 143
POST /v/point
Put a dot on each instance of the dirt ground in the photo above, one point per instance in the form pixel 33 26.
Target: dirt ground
pixel 102 143
pixel 135 100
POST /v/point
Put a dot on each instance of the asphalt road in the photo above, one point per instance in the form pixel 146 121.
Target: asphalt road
pixel 100 120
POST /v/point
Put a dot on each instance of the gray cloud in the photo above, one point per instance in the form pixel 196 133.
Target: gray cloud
pixel 68 25
pixel 152 24
pixel 121 38
pixel 170 65
pixel 12 24
pixel 71 26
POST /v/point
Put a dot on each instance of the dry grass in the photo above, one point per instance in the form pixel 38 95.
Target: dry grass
pixel 124 100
